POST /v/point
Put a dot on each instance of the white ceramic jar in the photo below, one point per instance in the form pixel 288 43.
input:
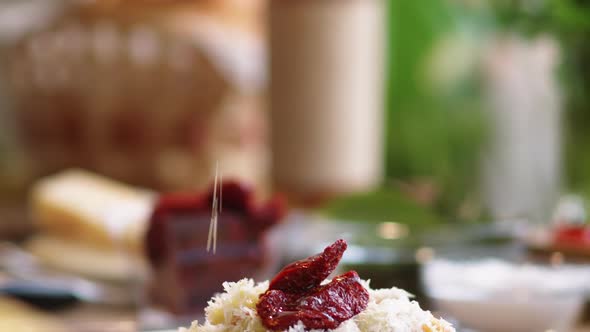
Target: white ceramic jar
pixel 327 94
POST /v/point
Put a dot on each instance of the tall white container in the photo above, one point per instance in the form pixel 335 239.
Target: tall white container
pixel 327 94
pixel 522 167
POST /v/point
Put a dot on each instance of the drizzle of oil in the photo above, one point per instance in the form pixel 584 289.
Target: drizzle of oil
pixel 215 210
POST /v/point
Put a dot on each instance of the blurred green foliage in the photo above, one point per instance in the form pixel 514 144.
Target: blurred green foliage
pixel 435 124
pixel 382 205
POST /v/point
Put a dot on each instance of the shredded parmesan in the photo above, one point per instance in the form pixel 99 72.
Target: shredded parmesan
pixel 389 310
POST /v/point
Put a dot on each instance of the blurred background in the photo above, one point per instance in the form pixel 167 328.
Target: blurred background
pixel 448 142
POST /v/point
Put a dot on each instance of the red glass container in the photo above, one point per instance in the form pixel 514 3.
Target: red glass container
pixel 185 273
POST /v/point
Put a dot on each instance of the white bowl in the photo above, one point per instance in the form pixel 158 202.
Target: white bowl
pixel 494 315
pixel 497 295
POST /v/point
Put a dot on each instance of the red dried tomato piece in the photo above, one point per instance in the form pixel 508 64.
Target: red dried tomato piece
pixel 296 294
pixel 306 274
pixel 324 308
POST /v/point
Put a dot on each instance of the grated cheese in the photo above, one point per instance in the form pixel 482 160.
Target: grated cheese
pixel 389 310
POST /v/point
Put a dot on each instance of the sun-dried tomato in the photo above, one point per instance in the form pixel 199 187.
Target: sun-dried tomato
pixel 296 294
pixel 308 273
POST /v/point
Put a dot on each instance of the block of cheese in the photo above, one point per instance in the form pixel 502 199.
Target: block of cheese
pixel 84 207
